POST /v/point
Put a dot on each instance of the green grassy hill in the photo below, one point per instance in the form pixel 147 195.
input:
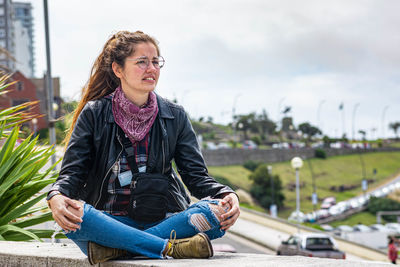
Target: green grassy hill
pixel 333 171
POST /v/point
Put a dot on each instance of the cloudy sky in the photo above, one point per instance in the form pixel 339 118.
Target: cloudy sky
pixel 249 55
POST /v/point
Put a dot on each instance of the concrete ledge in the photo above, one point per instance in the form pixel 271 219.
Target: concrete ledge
pixel 69 255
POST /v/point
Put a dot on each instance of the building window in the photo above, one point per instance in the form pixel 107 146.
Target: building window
pixel 2 22
pixel 2 33
pixel 16 102
pixel 20 86
pixel 1 11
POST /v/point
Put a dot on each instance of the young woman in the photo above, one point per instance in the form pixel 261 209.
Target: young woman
pixel 117 193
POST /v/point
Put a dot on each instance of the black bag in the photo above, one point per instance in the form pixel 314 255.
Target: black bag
pixel 148 200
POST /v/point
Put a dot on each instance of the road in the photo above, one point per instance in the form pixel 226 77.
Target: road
pixel 241 245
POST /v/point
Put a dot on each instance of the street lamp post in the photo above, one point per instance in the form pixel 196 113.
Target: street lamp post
pixel 318 114
pixel 354 117
pixel 314 196
pixel 383 122
pixel 234 115
pixel 297 163
pixel 49 84
pixel 272 208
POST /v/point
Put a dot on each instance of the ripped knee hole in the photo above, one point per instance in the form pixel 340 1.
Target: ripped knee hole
pixel 200 222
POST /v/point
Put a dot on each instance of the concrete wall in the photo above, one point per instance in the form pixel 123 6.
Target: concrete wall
pixel 69 255
pixel 224 157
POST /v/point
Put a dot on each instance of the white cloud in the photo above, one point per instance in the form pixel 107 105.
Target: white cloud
pixel 300 51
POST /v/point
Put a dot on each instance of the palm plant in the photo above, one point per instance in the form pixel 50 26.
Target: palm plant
pixel 22 177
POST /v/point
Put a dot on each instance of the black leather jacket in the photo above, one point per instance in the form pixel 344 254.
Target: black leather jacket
pixel 94 148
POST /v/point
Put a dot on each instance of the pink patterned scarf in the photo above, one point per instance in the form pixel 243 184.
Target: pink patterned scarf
pixel 135 121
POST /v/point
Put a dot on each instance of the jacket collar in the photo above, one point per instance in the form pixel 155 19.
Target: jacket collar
pixel 164 110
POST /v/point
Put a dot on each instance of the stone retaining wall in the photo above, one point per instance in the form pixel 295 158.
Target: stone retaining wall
pixel 222 157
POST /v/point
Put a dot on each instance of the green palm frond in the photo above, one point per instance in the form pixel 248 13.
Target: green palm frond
pixel 39 233
pixel 22 175
pixel 11 228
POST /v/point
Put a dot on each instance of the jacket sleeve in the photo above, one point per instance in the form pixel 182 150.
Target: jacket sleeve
pixel 77 158
pixel 191 165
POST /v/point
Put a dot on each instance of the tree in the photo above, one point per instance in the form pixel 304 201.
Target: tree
pixel 245 123
pixel 309 130
pixel 265 125
pixel 255 124
pixel 363 133
pixel 261 188
pixel 395 126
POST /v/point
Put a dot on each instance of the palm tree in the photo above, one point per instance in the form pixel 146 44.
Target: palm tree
pixel 395 126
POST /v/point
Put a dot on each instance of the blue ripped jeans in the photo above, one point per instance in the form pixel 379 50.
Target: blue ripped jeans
pixel 147 239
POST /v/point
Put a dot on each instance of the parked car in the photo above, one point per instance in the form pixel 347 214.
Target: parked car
pixel 327 227
pixel 354 203
pixel 311 245
pixel 311 217
pixel 328 202
pixel 343 229
pixel 322 214
pixel 301 218
pixel 249 144
pixel 378 193
pixel 393 226
pixel 381 228
pixel 361 228
pixel 397 185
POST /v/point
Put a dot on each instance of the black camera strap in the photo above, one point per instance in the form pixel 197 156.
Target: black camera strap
pixel 129 150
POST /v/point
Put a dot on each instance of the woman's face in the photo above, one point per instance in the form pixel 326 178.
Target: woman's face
pixel 135 76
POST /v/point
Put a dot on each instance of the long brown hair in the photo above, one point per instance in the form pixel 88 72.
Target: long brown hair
pixel 102 80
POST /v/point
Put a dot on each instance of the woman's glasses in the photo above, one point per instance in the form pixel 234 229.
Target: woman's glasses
pixel 144 62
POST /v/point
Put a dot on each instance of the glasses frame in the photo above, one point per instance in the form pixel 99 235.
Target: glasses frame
pixel 160 59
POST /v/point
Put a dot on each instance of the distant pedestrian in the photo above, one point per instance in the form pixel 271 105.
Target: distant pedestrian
pixel 392 251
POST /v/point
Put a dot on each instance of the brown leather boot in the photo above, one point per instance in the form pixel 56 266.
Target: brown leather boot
pixel 198 246
pixel 98 253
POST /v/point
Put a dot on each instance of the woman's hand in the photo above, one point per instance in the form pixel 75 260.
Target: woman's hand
pixel 66 212
pixel 230 217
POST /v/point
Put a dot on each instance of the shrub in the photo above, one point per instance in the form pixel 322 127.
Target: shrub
pixel 256 139
pixel 320 153
pixel 261 188
pixel 251 165
pixel 383 204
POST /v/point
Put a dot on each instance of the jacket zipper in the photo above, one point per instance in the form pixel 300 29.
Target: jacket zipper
pixel 104 178
pixel 163 168
pixel 177 202
pixel 163 156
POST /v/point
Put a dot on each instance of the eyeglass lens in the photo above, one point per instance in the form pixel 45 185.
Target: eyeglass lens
pixel 144 63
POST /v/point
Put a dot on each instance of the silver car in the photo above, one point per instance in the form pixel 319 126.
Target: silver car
pixel 311 245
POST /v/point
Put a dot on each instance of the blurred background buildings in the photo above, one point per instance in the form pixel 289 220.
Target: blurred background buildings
pixel 17 58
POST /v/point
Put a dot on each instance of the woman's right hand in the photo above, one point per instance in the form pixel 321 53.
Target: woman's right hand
pixel 66 212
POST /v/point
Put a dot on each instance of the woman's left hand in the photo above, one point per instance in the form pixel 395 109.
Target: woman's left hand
pixel 230 217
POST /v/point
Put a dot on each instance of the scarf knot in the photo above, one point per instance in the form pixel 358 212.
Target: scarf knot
pixel 135 121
